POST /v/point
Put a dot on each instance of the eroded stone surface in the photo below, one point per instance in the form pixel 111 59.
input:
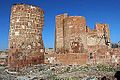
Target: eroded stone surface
pixel 73 35
pixel 25 36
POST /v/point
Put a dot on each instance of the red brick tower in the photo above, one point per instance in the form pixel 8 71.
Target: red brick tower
pixel 25 36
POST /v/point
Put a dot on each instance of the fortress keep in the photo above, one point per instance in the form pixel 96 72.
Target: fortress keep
pixel 74 36
pixel 25 35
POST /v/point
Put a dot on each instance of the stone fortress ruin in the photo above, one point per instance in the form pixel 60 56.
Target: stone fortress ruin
pixel 73 34
pixel 75 42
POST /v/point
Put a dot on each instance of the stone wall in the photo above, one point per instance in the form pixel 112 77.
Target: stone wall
pixel 59 35
pixel 73 28
pixel 100 56
pixel 66 59
pixel 25 36
pixel 74 36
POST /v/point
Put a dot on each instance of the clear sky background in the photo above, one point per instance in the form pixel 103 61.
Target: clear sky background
pixel 102 11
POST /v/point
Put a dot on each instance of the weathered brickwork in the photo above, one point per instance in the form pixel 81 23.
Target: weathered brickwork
pixel 66 59
pixel 74 36
pixel 59 31
pixel 107 56
pixel 25 36
pixel 74 40
pixel 73 27
pixel 100 56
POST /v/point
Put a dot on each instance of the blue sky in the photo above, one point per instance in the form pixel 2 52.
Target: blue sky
pixel 102 11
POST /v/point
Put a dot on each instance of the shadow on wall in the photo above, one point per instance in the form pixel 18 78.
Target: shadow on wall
pixel 117 75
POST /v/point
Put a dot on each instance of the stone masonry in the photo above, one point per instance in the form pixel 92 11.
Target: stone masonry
pixel 25 36
pixel 78 43
pixel 74 36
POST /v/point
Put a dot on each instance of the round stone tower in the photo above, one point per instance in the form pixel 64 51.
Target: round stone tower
pixel 25 35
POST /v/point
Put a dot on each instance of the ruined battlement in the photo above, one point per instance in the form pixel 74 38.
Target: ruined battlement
pixel 24 7
pixel 73 34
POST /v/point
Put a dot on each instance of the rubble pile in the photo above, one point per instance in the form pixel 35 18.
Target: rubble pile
pixel 3 58
pixel 56 72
